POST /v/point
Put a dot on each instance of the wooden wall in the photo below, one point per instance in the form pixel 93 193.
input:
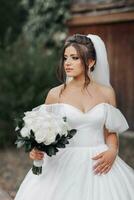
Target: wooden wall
pixel 118 36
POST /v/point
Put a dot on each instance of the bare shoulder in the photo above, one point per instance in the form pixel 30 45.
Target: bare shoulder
pixel 53 94
pixel 109 93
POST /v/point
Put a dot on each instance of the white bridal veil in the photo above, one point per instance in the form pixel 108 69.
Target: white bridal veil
pixel 101 71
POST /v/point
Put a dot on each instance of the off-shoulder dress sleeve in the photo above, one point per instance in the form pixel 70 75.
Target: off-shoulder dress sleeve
pixel 115 120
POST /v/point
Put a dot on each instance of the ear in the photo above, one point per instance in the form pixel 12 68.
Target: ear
pixel 91 63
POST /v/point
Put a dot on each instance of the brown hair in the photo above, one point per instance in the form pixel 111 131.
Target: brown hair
pixel 85 49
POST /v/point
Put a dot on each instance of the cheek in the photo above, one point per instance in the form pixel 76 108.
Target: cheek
pixel 78 70
pixel 79 67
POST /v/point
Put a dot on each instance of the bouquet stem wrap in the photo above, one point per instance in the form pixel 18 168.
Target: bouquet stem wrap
pixel 37 166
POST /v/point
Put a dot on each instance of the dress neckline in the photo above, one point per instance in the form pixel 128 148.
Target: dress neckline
pixel 88 110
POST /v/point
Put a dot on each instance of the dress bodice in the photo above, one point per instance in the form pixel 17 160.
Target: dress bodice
pixel 90 125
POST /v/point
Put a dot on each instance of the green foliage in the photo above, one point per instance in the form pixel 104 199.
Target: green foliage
pixel 42 22
pixel 46 22
pixel 26 75
pixel 12 17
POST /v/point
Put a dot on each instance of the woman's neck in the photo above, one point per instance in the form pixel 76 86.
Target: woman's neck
pixel 79 81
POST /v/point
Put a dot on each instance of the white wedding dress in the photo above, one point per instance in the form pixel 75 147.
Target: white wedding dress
pixel 69 174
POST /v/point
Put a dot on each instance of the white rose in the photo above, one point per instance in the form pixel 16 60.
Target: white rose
pixel 46 125
pixel 50 138
pixel 24 132
pixel 31 114
pixel 41 131
pixel 28 121
pixel 40 136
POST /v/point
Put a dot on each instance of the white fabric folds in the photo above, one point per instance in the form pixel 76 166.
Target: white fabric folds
pixel 115 120
pixel 69 175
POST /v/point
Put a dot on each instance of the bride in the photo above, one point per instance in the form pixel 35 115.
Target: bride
pixel 89 167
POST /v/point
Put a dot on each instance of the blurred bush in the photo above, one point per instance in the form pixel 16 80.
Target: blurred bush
pixel 30 44
pixel 46 21
pixel 26 75
pixel 13 16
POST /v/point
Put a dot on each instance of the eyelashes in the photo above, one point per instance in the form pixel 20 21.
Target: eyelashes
pixel 72 58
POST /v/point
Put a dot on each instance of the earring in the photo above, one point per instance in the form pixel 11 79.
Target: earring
pixel 89 68
pixel 89 71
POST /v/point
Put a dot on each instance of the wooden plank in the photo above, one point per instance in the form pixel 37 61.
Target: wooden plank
pixel 81 20
pixel 82 7
pixel 130 2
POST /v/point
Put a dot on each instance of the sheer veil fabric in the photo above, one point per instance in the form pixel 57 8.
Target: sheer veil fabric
pixel 101 72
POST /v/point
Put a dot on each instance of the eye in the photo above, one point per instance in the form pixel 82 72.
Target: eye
pixel 75 57
pixel 65 58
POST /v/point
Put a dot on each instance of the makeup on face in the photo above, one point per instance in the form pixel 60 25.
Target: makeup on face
pixel 72 62
pixel 72 57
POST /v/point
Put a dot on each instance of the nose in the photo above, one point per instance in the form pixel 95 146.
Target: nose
pixel 68 61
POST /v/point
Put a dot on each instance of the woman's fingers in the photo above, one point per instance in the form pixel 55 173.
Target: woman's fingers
pixel 105 161
pixel 98 156
pixel 37 151
pixel 104 168
pixel 107 170
pixel 36 155
pixel 99 163
pixel 99 168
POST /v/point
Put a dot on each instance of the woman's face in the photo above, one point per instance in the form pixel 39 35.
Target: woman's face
pixel 72 63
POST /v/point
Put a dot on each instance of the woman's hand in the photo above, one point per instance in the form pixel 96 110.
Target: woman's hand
pixel 106 160
pixel 35 154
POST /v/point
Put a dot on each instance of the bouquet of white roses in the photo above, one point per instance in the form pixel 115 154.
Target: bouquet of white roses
pixel 43 130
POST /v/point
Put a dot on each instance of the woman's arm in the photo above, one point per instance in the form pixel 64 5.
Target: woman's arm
pixel 106 159
pixel 111 139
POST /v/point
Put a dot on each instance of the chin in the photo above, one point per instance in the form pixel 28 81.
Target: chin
pixel 69 74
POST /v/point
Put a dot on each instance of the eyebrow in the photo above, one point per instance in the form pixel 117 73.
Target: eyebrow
pixel 71 55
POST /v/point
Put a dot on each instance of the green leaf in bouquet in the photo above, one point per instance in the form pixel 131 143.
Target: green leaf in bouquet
pixel 19 143
pixel 28 146
pixel 71 133
pixel 51 150
pixel 41 147
pixel 65 119
pixel 19 137
pixel 20 140
pixel 60 145
pixel 57 137
pixel 55 142
pixel 20 122
pixel 32 135
pixel 64 140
